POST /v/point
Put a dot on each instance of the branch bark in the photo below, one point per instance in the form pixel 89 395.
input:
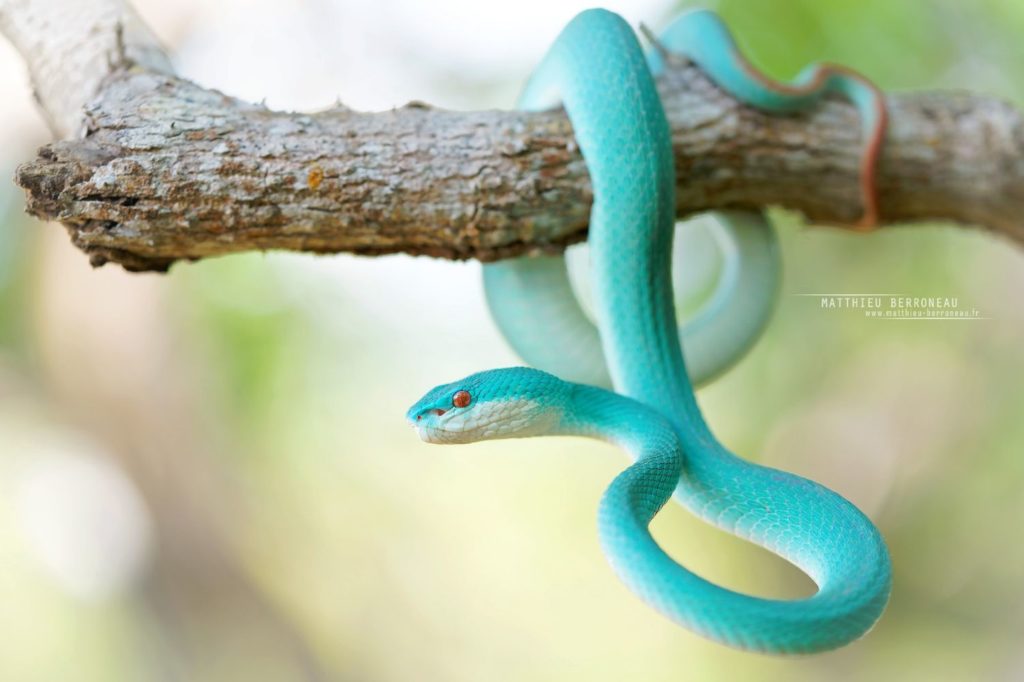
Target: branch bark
pixel 168 170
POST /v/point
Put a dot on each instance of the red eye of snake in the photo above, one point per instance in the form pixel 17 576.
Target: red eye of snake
pixel 461 399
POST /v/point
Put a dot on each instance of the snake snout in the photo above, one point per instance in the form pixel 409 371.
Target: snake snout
pixel 415 419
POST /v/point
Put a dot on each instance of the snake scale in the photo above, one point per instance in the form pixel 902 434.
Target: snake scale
pixel 599 71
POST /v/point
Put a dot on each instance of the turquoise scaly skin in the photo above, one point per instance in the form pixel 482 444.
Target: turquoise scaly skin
pixel 532 300
pixel 598 68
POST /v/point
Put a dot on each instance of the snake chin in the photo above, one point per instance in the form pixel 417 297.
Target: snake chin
pixel 429 434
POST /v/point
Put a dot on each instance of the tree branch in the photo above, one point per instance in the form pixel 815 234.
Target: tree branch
pixel 168 170
pixel 70 47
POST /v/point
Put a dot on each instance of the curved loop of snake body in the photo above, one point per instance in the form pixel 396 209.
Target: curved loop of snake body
pixel 532 299
pixel 598 68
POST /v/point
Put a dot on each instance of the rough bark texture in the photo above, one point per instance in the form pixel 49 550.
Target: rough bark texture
pixel 168 170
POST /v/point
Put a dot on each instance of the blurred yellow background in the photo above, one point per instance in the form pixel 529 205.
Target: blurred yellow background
pixel 207 476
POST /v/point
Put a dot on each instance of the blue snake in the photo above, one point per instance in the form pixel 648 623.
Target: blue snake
pixel 605 82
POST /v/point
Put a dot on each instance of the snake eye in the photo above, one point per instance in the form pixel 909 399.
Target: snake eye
pixel 462 399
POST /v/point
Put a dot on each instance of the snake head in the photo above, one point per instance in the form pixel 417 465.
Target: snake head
pixel 515 402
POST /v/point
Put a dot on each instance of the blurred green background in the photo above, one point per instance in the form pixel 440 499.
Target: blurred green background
pixel 206 475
